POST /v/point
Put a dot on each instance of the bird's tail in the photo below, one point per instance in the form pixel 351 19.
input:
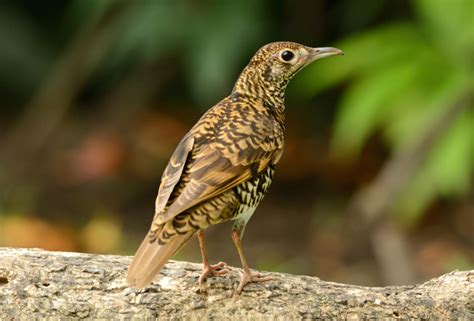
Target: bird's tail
pixel 151 257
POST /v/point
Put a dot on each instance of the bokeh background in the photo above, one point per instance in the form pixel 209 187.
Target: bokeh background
pixel 376 183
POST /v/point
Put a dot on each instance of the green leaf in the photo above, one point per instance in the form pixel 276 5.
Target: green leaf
pixel 364 53
pixel 450 24
pixel 367 103
pixel 418 106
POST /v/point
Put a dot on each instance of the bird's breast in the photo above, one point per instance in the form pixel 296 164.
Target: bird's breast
pixel 251 192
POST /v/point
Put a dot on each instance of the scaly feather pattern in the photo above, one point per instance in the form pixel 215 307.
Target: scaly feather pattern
pixel 223 167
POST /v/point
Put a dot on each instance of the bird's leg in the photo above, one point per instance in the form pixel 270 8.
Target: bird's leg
pixel 246 276
pixel 207 269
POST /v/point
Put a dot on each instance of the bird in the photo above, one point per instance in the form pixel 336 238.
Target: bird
pixel 223 166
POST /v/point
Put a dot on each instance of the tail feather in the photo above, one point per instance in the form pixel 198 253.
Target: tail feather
pixel 150 259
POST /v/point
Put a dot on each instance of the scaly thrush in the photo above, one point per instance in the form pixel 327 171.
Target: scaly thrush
pixel 224 165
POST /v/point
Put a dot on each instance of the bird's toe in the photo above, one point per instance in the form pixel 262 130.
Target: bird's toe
pixel 218 269
pixel 247 277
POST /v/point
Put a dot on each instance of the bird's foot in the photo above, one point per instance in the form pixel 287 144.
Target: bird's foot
pixel 247 277
pixel 214 269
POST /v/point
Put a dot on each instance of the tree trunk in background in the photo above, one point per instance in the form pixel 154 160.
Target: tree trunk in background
pixel 39 284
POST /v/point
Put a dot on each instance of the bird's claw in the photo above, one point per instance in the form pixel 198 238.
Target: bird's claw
pixel 247 277
pixel 214 270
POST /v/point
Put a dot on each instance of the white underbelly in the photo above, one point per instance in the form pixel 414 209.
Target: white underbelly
pixel 245 213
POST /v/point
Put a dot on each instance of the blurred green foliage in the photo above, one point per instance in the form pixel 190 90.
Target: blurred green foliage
pixel 20 38
pixel 402 76
pixel 150 30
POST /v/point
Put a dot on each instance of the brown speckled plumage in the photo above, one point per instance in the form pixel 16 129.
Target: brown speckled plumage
pixel 223 167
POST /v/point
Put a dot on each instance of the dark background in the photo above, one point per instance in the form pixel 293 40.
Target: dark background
pixel 376 183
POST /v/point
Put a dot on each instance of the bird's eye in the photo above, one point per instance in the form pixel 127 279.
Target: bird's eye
pixel 287 55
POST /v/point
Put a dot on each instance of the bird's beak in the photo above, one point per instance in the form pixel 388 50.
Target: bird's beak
pixel 322 52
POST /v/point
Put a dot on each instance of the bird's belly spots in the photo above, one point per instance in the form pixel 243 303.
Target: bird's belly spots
pixel 250 194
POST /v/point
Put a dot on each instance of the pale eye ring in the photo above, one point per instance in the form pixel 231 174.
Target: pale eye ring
pixel 287 55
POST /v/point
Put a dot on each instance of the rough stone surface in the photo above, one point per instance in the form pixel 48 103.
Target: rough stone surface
pixel 58 285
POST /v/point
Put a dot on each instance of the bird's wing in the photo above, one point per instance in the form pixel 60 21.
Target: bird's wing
pixel 173 171
pixel 239 150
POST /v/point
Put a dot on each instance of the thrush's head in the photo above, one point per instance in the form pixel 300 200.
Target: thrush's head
pixel 275 64
pixel 280 61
